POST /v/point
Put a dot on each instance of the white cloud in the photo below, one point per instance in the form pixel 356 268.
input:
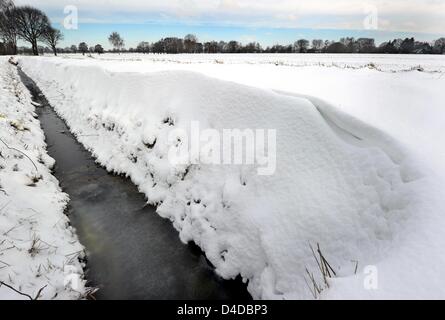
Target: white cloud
pixel 396 15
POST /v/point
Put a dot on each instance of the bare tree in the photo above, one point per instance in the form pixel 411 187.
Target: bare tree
pixel 173 45
pixel 8 30
pixel 31 25
pixel 301 45
pixel 233 47
pixel 143 47
pixel 211 47
pixel 365 45
pixel 52 37
pixel 190 41
pixel 350 44
pixel 317 45
pixel 116 41
pixel 439 45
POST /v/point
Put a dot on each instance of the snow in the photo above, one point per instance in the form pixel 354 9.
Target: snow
pixel 359 161
pixel 383 62
pixel 393 100
pixel 38 248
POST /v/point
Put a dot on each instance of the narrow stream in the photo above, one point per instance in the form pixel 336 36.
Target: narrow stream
pixel 132 252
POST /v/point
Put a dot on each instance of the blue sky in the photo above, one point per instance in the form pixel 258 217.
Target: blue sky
pixel 266 21
pixel 134 33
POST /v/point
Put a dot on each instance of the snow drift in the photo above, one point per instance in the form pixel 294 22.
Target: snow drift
pixel 39 250
pixel 338 182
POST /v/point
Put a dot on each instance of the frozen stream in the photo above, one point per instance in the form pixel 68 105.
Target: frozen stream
pixel 132 252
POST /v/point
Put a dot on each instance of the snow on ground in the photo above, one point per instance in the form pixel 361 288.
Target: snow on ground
pixel 406 105
pixel 339 182
pixel 38 248
pixel 366 195
pixel 382 62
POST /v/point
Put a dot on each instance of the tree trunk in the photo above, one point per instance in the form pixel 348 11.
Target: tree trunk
pixel 35 49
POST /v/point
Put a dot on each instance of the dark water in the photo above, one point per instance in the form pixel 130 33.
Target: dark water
pixel 132 252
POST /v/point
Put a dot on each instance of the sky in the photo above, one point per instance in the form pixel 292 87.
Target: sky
pixel 266 21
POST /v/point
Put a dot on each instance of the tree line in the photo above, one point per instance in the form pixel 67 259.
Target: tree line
pixel 33 26
pixel 190 44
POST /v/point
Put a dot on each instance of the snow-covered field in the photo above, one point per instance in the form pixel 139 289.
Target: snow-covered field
pixel 360 162
pixel 38 249
pixel 382 62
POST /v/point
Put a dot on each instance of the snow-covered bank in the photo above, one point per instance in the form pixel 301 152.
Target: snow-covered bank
pixel 338 182
pixel 39 251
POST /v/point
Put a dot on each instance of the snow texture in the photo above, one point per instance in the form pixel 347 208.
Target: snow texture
pixel 39 251
pixel 360 193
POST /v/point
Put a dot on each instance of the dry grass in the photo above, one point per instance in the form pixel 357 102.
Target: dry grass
pixel 325 270
pixel 39 293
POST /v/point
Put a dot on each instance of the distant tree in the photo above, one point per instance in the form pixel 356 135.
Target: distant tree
pixel 407 46
pixel 439 46
pixel 222 46
pixel 73 48
pixel 31 24
pixel 143 47
pixel 211 47
pixel 365 45
pixel 327 43
pixel 301 45
pixel 116 41
pixel 422 48
pixel 52 37
pixel 388 47
pixel 397 43
pixel 276 49
pixel 158 47
pixel 252 47
pixel 98 49
pixel 350 44
pixel 317 45
pixel 91 49
pixel 83 48
pixel 337 47
pixel 281 49
pixel 190 42
pixel 173 45
pixel 199 47
pixel 233 47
